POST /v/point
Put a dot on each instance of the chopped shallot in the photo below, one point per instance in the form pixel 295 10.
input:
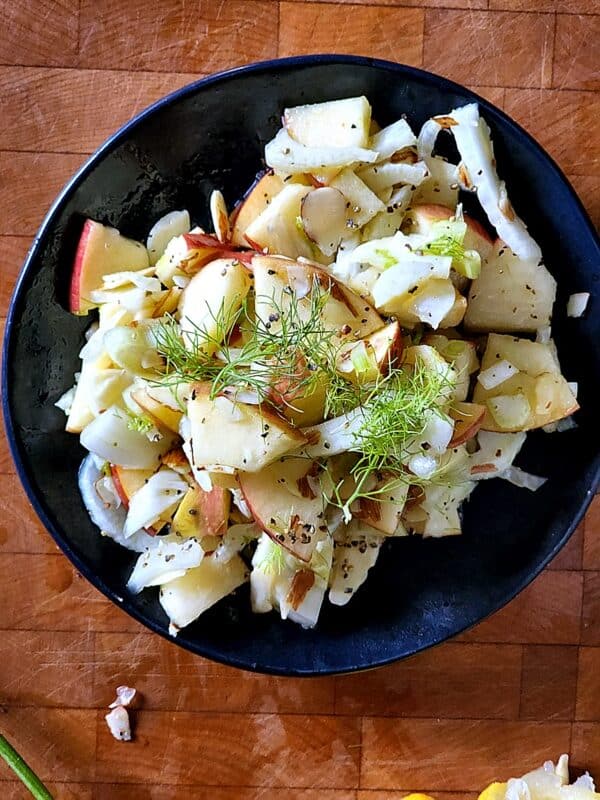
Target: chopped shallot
pixel 125 695
pixel 118 724
pixel 524 480
pixel 577 304
pixel 496 374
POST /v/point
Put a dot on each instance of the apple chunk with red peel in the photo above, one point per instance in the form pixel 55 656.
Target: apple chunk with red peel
pixel 363 361
pixel 202 514
pixel 468 418
pixel 236 435
pixel 423 216
pixel 128 481
pixel 344 311
pixel 101 251
pixel 535 395
pixel 210 302
pixel 510 294
pixel 255 202
pixel 276 228
pixel 295 522
pixel 187 254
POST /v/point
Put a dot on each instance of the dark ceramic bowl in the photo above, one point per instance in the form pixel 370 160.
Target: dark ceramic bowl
pixel 211 134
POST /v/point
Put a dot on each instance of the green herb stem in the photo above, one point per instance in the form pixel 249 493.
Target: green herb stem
pixel 23 771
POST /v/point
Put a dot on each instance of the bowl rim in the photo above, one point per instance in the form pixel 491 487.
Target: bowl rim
pixel 37 502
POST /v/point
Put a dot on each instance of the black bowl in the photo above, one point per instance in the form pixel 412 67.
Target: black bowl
pixel 211 134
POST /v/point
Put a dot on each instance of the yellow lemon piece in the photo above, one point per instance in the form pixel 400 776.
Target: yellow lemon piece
pixel 418 796
pixel 495 791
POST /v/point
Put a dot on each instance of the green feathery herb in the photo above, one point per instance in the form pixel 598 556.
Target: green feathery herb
pixel 288 354
pixel 139 423
pixel 395 410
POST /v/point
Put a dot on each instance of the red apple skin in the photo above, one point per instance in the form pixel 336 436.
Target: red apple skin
pixel 463 429
pixel 123 497
pixel 209 248
pixel 74 295
pixel 114 473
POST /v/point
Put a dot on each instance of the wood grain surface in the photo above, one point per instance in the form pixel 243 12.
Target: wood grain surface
pixel 521 687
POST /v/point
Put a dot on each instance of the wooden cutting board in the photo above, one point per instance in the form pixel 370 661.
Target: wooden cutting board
pixel 522 687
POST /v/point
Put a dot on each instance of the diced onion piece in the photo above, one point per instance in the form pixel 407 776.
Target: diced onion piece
pixel 509 411
pixel 543 334
pixel 164 563
pixel 118 724
pixel 157 499
pixel 573 387
pixel 577 304
pixel 565 424
pixel 496 374
pixel 522 479
pixel 173 224
pixel 472 137
pixel 421 465
pixel 125 695
pixel 436 434
pixel 585 782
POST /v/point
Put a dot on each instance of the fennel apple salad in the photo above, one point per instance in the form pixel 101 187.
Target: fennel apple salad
pixel 336 365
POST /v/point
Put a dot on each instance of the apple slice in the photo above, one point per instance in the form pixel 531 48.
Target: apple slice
pixel 467 421
pixel 185 599
pixel 356 551
pixel 294 522
pixel 364 204
pixel 189 253
pixel 101 251
pixel 210 301
pixel 236 434
pixel 252 206
pixel 383 512
pixel 539 381
pixel 276 228
pixel 510 295
pixel 128 481
pixel 365 360
pixel 202 514
pixel 423 215
pixel 344 311
pixel 324 215
pixel 336 123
